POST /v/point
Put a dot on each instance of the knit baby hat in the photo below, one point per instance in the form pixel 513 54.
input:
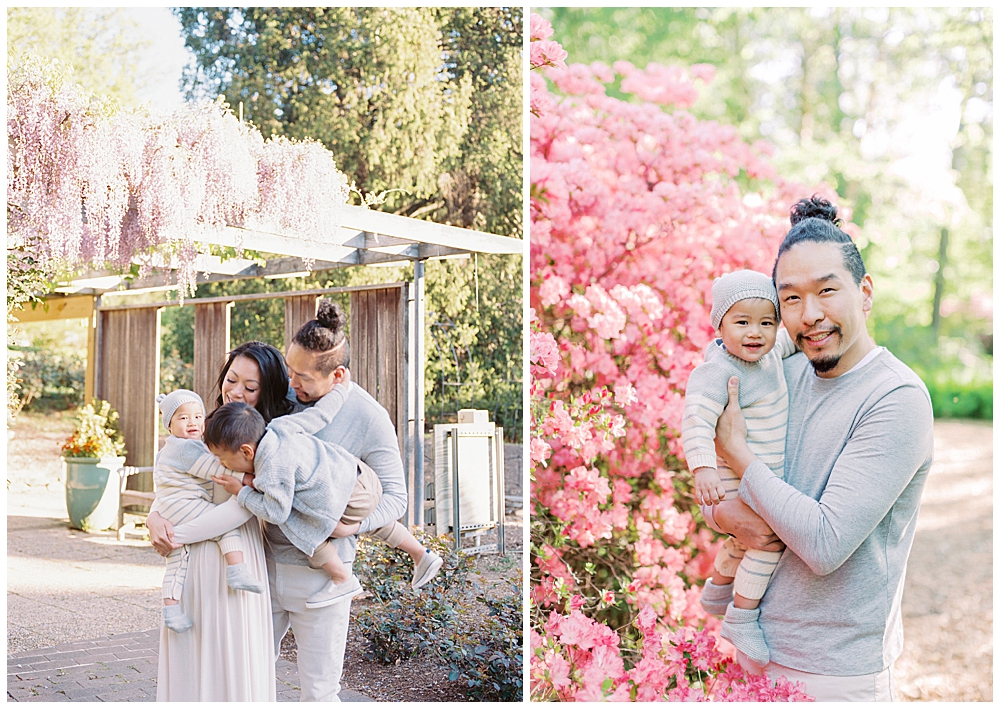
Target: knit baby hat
pixel 730 288
pixel 169 403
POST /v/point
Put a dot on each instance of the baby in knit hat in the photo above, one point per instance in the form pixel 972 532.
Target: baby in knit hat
pixel 750 346
pixel 183 472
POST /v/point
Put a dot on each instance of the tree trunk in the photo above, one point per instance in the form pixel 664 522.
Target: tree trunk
pixel 939 282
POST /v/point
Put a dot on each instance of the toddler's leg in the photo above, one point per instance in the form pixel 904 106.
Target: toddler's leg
pixel 730 480
pixel 727 561
pixel 238 577
pixel 742 623
pixel 753 576
pixel 365 498
pixel 342 584
pixel 173 586
pixel 427 563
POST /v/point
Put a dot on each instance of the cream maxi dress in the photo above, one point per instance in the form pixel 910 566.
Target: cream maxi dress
pixel 227 655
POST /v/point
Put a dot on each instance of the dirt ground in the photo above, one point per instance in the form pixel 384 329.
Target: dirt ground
pixel 948 597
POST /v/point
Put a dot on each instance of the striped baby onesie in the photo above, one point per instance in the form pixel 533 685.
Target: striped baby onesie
pixel 183 472
pixel 764 404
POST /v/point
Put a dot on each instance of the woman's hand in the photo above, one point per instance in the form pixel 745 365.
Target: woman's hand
pixel 731 432
pixel 345 530
pixel 232 484
pixel 161 534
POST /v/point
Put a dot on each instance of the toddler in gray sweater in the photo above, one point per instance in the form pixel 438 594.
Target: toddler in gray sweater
pixel 300 483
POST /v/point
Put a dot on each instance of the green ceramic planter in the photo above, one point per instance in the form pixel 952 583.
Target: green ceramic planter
pixel 92 492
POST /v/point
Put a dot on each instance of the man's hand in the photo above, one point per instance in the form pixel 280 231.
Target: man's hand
pixel 731 432
pixel 345 530
pixel 734 517
pixel 232 485
pixel 161 534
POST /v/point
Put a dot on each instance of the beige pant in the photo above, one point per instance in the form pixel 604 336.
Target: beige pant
pixel 320 633
pixel 875 687
pixel 365 496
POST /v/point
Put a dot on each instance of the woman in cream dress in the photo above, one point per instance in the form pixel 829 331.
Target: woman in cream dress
pixel 228 653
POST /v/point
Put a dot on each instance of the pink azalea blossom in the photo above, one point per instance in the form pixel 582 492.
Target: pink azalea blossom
pixel 636 207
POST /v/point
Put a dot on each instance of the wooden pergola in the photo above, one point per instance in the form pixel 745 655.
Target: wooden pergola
pixel 386 322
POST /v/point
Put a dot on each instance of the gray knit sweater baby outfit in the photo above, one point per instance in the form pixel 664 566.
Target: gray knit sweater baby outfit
pixel 302 484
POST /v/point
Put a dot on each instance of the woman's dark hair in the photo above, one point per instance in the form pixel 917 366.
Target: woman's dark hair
pixel 272 401
pixel 815 219
pixel 232 425
pixel 325 337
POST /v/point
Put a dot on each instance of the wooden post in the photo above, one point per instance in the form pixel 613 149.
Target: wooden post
pixel 129 379
pixel 211 344
pixel 299 309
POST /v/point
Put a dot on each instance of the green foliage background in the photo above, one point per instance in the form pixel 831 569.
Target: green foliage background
pixel 837 92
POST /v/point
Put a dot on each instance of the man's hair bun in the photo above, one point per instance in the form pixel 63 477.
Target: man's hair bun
pixel 330 315
pixel 814 207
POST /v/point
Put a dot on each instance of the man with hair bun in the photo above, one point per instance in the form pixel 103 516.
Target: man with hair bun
pixel 318 358
pixel 857 453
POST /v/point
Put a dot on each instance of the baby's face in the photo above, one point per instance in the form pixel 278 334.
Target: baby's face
pixel 749 329
pixel 188 421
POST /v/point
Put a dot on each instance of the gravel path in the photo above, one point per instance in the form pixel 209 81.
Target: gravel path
pixel 948 598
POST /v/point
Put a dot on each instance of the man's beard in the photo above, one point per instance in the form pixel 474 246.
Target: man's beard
pixel 822 365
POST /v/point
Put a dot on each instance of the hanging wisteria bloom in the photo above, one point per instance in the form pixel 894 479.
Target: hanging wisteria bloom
pixel 92 186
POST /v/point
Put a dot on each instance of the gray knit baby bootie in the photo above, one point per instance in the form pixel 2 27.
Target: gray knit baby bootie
pixel 715 599
pixel 742 629
pixel 175 619
pixel 239 579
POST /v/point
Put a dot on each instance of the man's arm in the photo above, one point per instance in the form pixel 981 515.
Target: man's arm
pixel 734 518
pixel 318 416
pixel 871 472
pixel 383 457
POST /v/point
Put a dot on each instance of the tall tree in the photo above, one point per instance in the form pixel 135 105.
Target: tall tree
pixel 841 94
pixel 392 92
pixel 426 102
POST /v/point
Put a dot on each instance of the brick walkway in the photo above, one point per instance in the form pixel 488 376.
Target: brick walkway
pixel 121 668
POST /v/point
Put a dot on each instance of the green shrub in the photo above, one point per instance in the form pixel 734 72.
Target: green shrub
pixel 58 378
pixel 484 655
pixel 404 621
pixel 955 400
pixel 175 373
pixel 488 660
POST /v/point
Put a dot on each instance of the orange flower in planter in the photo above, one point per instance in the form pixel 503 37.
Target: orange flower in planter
pixel 97 433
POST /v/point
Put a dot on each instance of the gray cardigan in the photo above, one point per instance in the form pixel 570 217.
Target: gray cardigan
pixel 302 484
pixel 363 428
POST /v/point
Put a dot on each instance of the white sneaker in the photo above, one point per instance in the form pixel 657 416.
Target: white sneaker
pixel 334 593
pixel 427 569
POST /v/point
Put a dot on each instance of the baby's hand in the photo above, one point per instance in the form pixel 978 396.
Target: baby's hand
pixel 708 488
pixel 232 485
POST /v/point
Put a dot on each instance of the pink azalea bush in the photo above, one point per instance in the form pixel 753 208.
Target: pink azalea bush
pixel 635 208
pixel 91 185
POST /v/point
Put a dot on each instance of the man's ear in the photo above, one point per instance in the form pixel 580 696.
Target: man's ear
pixel 867 294
pixel 341 375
